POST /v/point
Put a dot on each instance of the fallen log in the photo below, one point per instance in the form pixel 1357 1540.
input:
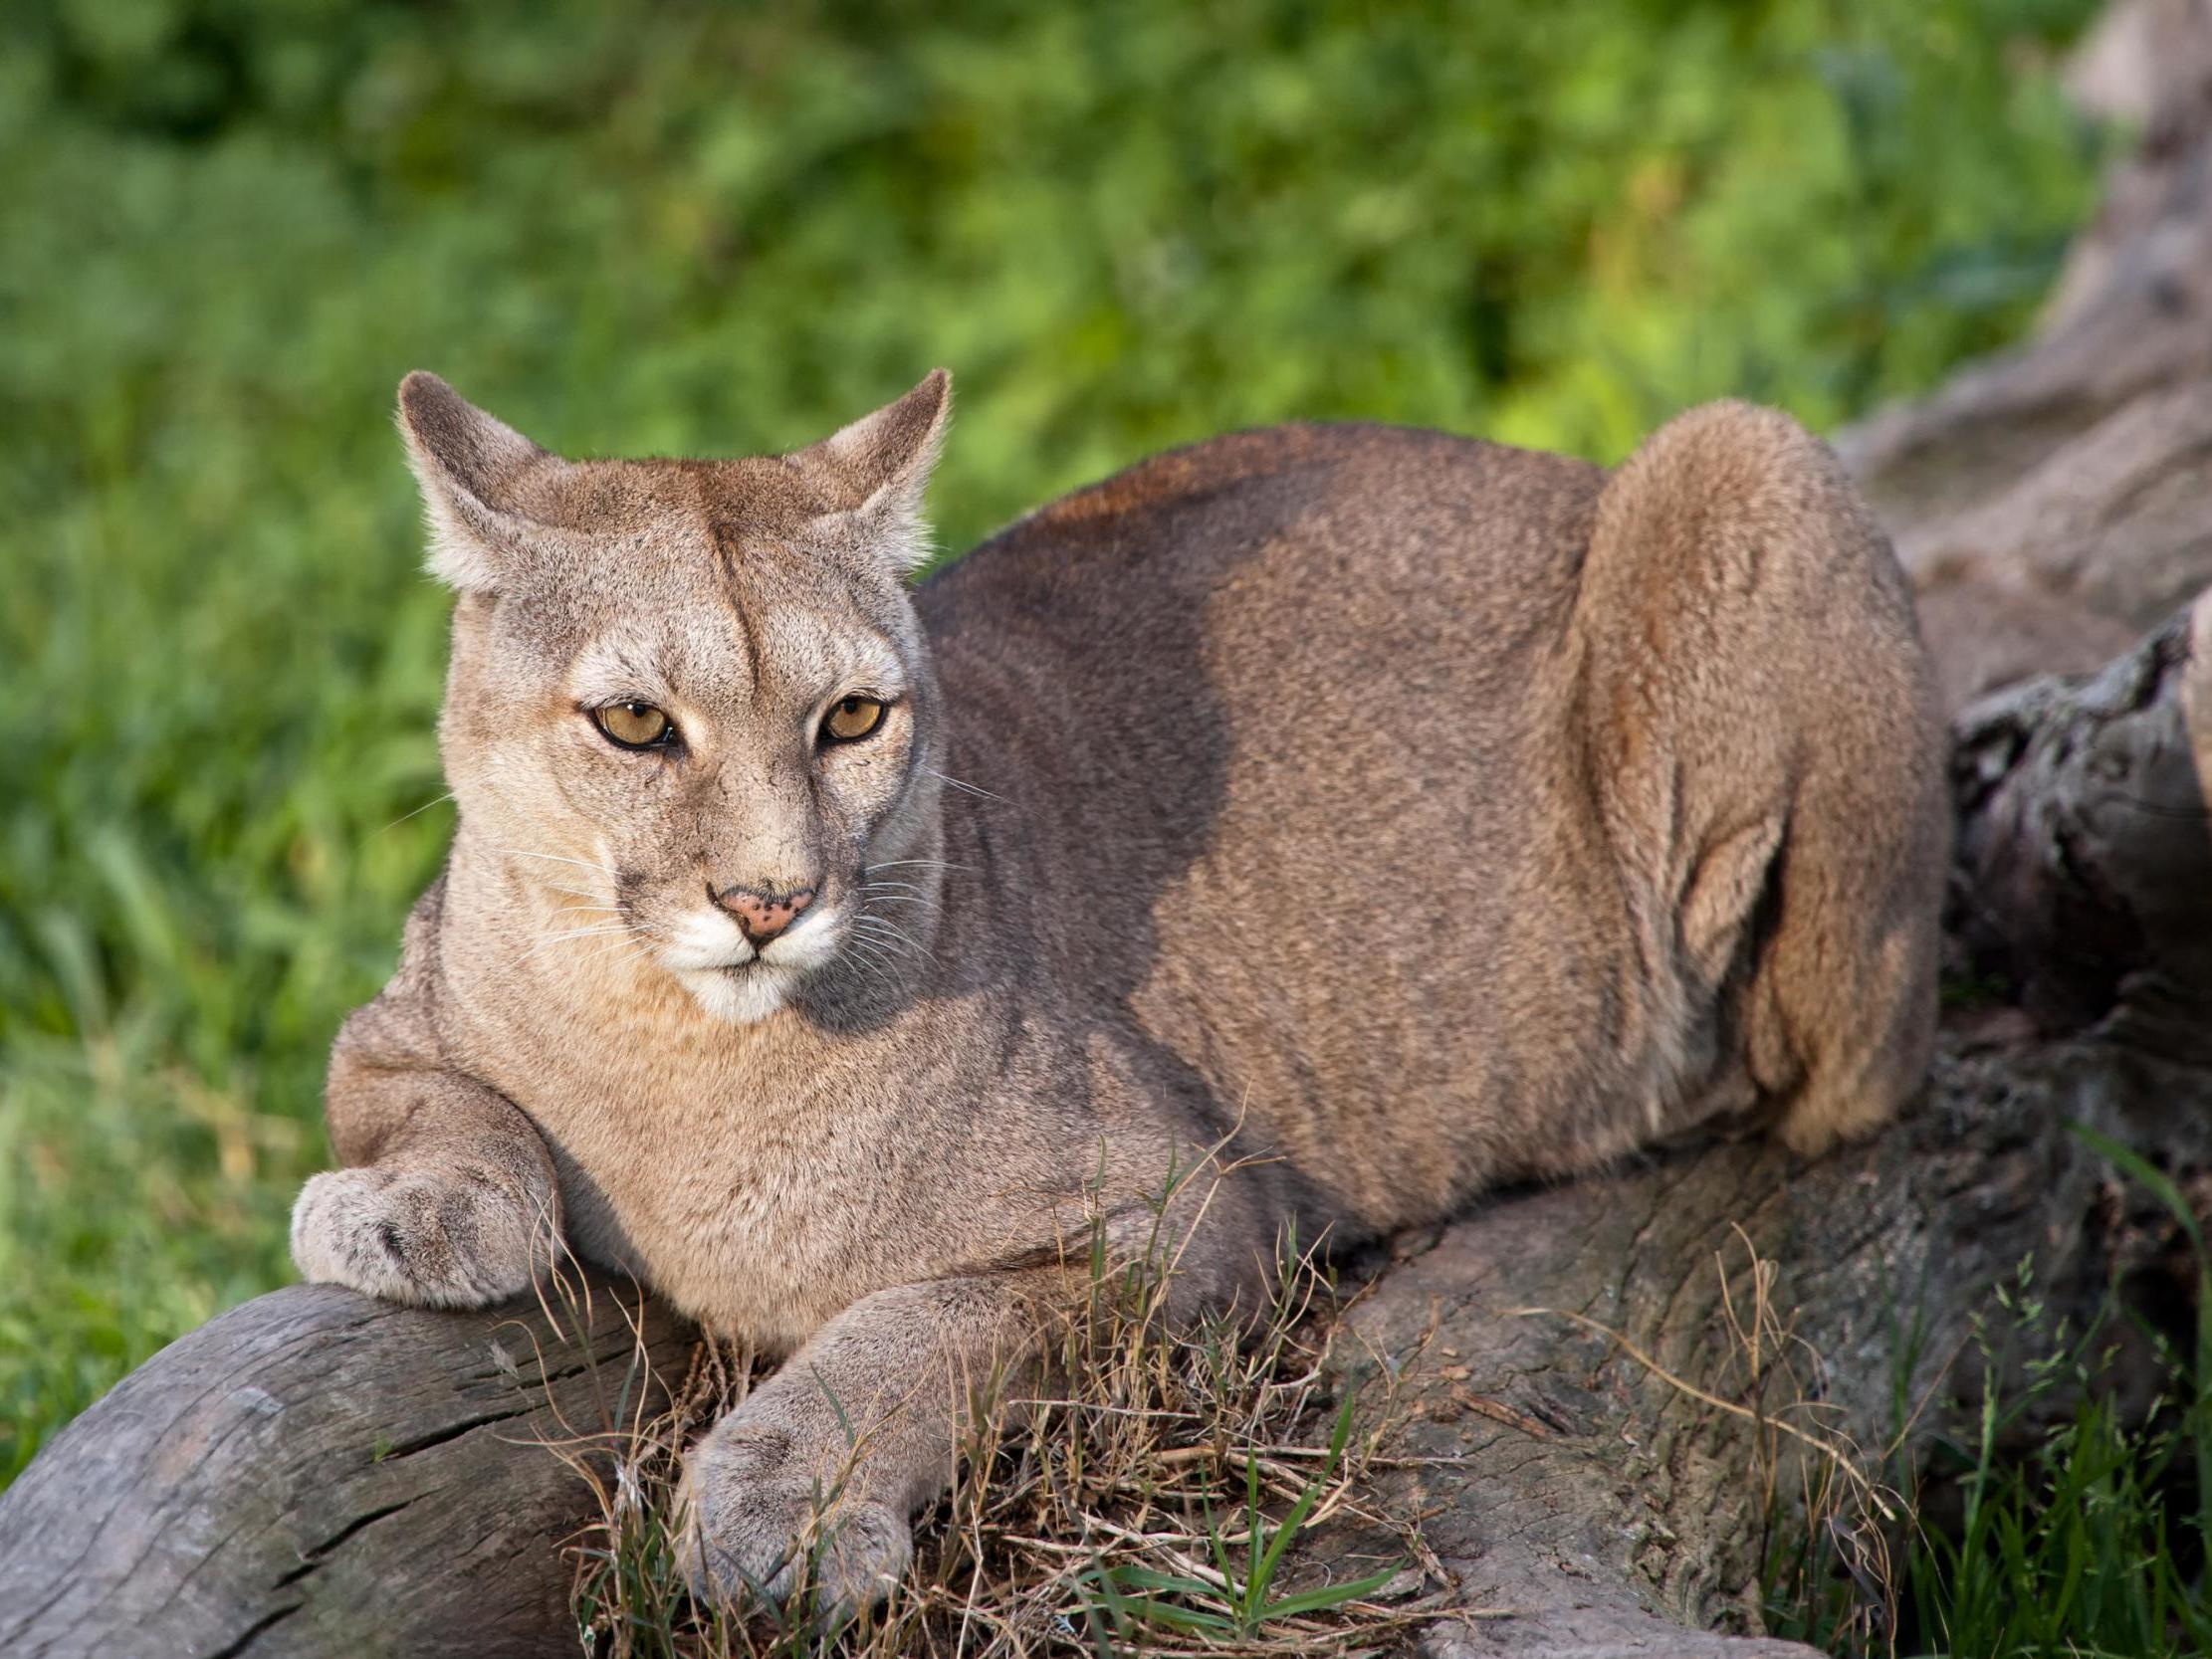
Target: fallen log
pixel 2080 870
pixel 2072 468
pixel 1591 1474
pixel 317 1473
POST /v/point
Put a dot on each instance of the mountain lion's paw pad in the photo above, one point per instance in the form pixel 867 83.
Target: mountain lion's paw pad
pixel 440 1239
pixel 740 1539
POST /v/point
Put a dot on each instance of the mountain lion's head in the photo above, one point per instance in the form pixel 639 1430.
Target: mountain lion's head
pixel 689 704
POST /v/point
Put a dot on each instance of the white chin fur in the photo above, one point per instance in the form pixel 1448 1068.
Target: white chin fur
pixel 730 980
pixel 740 995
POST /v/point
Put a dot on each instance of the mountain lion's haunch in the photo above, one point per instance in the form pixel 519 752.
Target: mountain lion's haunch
pixel 1355 816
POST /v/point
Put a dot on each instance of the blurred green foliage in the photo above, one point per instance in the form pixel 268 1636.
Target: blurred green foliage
pixel 229 226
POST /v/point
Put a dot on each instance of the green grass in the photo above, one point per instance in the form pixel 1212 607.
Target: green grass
pixel 2083 1543
pixel 230 225
pixel 1238 1599
pixel 2072 1550
pixel 2055 1512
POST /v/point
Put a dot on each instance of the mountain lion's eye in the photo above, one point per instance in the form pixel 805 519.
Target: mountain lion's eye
pixel 634 724
pixel 852 719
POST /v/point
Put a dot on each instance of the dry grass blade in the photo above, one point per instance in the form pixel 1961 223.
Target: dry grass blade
pixel 1778 1377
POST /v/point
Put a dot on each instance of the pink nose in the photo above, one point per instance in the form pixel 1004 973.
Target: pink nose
pixel 763 916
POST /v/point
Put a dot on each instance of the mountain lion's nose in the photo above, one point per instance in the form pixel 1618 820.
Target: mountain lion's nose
pixel 762 915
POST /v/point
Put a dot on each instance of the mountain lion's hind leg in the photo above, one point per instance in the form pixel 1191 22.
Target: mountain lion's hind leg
pixel 1769 740
pixel 1842 1017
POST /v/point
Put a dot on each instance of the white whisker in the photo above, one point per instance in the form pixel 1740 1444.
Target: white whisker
pixel 556 858
pixel 418 811
pixel 597 929
pixel 893 941
pixel 861 957
pixel 885 925
pixel 637 948
pixel 963 783
pixel 866 948
pixel 634 949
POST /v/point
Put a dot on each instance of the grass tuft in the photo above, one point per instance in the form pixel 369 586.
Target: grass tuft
pixel 2066 1513
pixel 1149 1487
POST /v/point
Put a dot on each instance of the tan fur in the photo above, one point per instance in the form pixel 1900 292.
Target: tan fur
pixel 1406 812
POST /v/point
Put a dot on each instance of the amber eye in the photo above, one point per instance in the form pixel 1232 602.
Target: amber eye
pixel 851 720
pixel 634 724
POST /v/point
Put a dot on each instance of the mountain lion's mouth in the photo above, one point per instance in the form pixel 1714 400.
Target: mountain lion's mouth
pixel 740 992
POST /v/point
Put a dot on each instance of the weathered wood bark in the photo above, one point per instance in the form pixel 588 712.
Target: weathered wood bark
pixel 314 1474
pixel 317 1473
pixel 1605 1508
pixel 2069 478
pixel 2080 865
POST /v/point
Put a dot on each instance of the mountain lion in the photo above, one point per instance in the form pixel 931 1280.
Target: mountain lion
pixel 1365 816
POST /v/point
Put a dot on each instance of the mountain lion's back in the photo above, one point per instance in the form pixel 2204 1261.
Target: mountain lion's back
pixel 1279 718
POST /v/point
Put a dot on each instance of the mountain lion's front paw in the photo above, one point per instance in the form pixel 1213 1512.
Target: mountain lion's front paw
pixel 750 1525
pixel 459 1238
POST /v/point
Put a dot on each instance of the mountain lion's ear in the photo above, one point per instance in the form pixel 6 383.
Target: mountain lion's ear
pixel 876 469
pixel 477 475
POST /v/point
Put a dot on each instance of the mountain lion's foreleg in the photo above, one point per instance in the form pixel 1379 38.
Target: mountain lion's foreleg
pixel 450 1199
pixel 833 1455
pixel 860 1429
